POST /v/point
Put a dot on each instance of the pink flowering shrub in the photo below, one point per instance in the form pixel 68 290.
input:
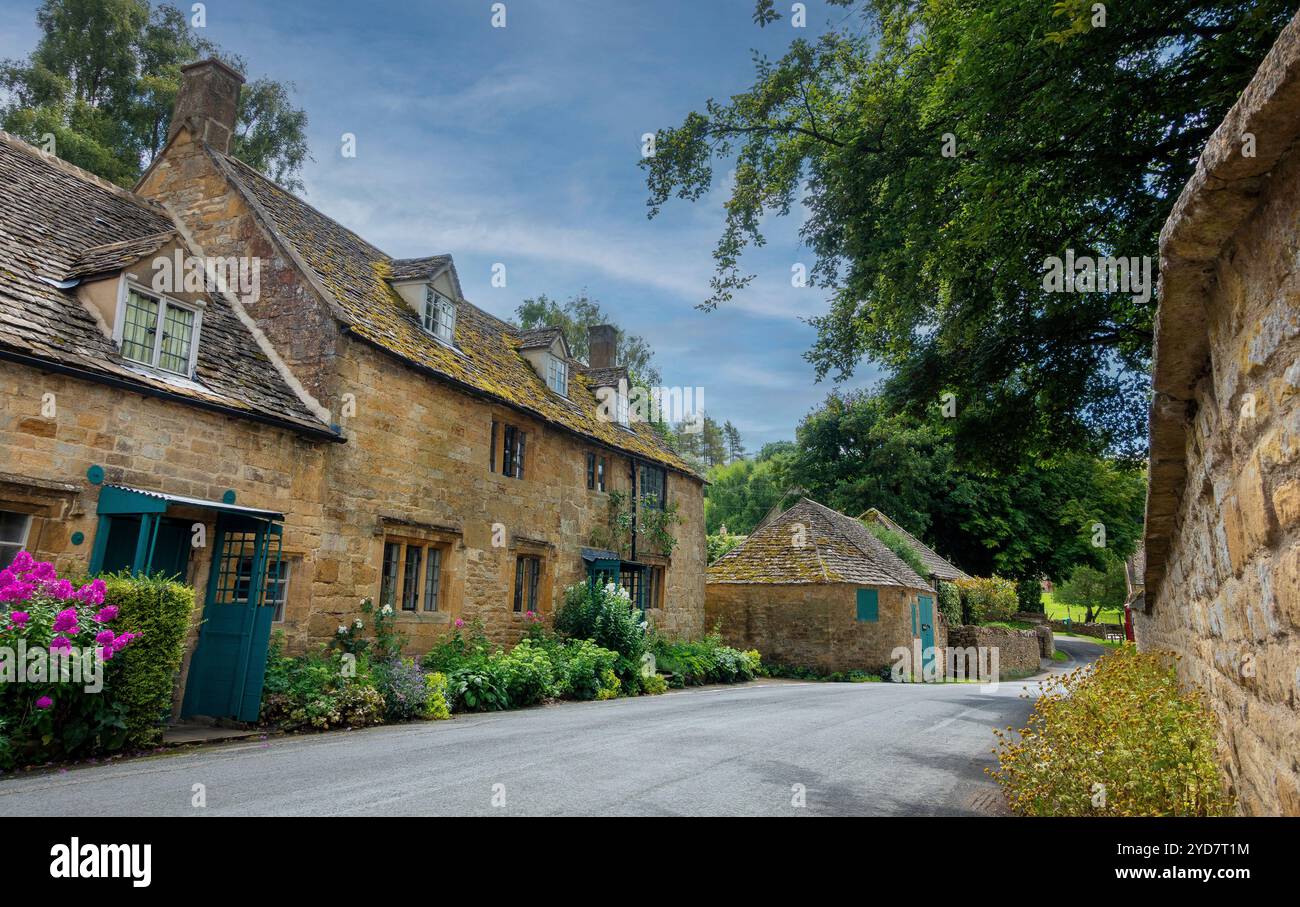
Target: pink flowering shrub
pixel 45 714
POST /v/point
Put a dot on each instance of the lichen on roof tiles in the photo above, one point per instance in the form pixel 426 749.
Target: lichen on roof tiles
pixel 486 355
pixel 810 543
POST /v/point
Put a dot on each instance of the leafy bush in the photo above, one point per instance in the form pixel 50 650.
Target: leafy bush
pixel 1029 595
pixel 949 603
pixel 401 682
pixel 718 545
pixel 526 673
pixel 45 716
pixel 477 689
pixel 987 598
pixel 319 690
pixel 1119 739
pixel 436 705
pixel 705 660
pixel 157 611
pixel 654 684
pixel 606 616
pixel 583 669
pixel 466 646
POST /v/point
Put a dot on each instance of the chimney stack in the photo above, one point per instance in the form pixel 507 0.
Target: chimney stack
pixel 208 102
pixel 602 341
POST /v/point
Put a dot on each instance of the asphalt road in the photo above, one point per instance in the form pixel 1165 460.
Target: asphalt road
pixel 746 750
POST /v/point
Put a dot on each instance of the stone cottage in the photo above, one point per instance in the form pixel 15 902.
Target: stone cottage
pixel 309 423
pixel 1222 586
pixel 811 587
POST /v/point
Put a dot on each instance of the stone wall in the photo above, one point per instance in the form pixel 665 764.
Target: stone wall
pixel 813 625
pixel 1223 510
pixel 1018 650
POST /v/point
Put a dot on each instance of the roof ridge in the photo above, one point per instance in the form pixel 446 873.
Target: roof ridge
pixel 886 559
pixel 72 169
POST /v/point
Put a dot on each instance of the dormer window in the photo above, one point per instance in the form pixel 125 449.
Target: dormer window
pixel 439 316
pixel 159 332
pixel 621 409
pixel 557 375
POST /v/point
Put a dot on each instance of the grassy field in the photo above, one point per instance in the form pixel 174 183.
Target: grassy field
pixel 1059 611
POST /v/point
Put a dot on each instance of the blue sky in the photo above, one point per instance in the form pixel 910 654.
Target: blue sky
pixel 519 145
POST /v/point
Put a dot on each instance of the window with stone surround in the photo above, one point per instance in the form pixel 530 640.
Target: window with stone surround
pixel 513 441
pixel 14 528
pixel 159 332
pixel 277 587
pixel 654 486
pixel 557 374
pixel 528 574
pixel 597 468
pixel 411 580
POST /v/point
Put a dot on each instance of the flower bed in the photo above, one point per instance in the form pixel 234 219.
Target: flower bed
pixel 78 672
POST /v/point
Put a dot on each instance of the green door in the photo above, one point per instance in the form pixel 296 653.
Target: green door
pixel 926 619
pixel 229 663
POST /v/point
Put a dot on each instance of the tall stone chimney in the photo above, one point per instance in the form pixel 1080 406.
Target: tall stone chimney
pixel 208 102
pixel 602 342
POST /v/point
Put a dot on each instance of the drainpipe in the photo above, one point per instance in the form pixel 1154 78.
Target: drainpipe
pixel 632 503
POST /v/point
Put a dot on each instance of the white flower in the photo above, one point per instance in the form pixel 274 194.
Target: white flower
pixel 342 629
pixel 386 609
pixel 359 625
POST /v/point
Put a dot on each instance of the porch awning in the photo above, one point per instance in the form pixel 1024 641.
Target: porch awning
pixel 599 554
pixel 116 499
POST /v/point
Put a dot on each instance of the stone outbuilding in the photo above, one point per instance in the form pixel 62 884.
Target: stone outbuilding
pixel 938 568
pixel 1222 585
pixel 814 588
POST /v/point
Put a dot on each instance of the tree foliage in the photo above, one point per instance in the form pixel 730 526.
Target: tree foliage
pixel 1063 135
pixel 102 82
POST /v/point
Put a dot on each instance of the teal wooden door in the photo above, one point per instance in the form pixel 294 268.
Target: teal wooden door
pixel 229 663
pixel 926 620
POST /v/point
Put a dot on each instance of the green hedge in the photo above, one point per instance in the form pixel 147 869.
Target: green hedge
pixel 143 675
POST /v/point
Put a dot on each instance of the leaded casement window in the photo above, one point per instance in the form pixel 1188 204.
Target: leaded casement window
pixel 439 316
pixel 654 487
pixel 557 375
pixel 159 332
pixel 596 468
pixel 512 443
pixel 14 528
pixel 528 574
pixel 411 580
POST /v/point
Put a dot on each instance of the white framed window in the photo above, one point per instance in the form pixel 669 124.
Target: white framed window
pixel 158 332
pixel 621 413
pixel 277 587
pixel 557 375
pixel 14 528
pixel 439 316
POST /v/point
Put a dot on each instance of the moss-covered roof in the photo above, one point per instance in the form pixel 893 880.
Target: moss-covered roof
pixel 485 357
pixel 938 566
pixel 810 543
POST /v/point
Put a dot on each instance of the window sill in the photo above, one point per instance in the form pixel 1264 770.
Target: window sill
pixel 425 617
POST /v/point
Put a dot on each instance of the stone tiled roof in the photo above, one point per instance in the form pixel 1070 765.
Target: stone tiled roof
pixel 605 377
pixel 938 566
pixel 115 256
pixel 538 338
pixel 836 549
pixel 58 222
pixel 418 268
pixel 356 279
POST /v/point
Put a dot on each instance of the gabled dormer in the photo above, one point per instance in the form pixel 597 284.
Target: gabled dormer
pixel 548 353
pixel 432 290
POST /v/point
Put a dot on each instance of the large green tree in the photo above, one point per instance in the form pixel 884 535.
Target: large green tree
pixel 938 151
pixel 102 81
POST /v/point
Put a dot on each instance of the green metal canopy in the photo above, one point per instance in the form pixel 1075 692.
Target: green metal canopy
pixel 115 499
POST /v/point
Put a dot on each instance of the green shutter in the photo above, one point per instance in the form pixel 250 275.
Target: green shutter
pixel 868 605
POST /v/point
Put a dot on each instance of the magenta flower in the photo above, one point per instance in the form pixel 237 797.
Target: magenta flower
pixel 22 562
pixel 104 637
pixel 60 642
pixel 106 614
pixel 20 618
pixel 60 590
pixel 16 589
pixel 66 621
pixel 459 623
pixel 44 702
pixel 124 640
pixel 92 593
